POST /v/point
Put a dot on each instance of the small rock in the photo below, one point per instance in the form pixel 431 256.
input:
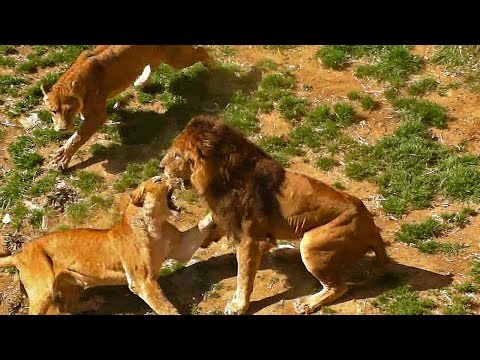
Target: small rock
pixel 30 122
pixel 7 219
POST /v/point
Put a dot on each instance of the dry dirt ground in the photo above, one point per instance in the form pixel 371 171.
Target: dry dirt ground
pixel 207 282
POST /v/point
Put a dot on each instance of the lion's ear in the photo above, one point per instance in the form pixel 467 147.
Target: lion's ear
pixel 137 196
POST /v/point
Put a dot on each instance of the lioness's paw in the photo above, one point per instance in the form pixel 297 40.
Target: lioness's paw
pixel 302 307
pixel 61 158
pixel 235 308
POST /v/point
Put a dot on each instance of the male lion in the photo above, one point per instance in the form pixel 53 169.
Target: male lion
pixel 59 265
pixel 100 74
pixel 255 201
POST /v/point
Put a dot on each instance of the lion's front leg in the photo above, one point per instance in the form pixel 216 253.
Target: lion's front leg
pixel 249 255
pixel 95 117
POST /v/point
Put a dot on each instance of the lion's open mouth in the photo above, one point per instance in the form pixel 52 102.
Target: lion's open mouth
pixel 171 205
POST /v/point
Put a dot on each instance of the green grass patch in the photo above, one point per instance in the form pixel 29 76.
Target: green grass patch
pixel 84 209
pixel 2 134
pixel 7 61
pixel 326 163
pixel 10 84
pixel 24 154
pixel 16 185
pixel 403 301
pixel 33 94
pixel 411 169
pixel 338 185
pixel 368 103
pixel 337 56
pixel 423 87
pixel 267 65
pixel 293 107
pixel 8 50
pixel 423 235
pixel 279 149
pixel 354 95
pixel 45 184
pixel 462 61
pixel 462 305
pixel 46 135
pixel 394 65
pixel 476 271
pixel 136 173
pixel 429 113
pixel 42 58
pixel 89 182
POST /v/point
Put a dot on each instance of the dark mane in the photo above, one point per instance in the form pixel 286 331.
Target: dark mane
pixel 245 179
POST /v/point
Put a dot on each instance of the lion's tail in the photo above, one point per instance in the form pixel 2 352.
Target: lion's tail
pixel 7 261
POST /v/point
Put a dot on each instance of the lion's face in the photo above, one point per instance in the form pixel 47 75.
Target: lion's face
pixel 154 195
pixel 177 165
pixel 65 109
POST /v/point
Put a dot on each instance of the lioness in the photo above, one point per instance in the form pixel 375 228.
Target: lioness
pixel 62 264
pixel 255 201
pixel 100 74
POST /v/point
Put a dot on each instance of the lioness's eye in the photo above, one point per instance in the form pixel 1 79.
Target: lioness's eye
pixel 177 156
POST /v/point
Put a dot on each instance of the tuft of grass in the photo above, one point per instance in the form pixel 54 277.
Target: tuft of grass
pixel 42 58
pixel 368 103
pixel 10 84
pixel 280 48
pixel 422 235
pixel 2 134
pixel 462 305
pixel 279 148
pixel 36 218
pixel 403 301
pixel 16 185
pixel 8 50
pixel 99 150
pixel 45 184
pixel 7 61
pixel 88 182
pixel 429 113
pixel 423 87
pixel 467 287
pixel 84 209
pixel 171 268
pixel 227 50
pixel 45 135
pixel 326 163
pixel 136 173
pixel 293 107
pixel 394 65
pixel 476 271
pixel 354 95
pixel 267 65
pixel 23 153
pixel 333 57
pixel 338 185
pixel 462 61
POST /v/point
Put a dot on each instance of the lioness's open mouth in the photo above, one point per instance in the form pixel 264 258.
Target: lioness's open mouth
pixel 171 205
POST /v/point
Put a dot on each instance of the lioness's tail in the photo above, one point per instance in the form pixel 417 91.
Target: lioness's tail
pixel 7 261
pixel 380 252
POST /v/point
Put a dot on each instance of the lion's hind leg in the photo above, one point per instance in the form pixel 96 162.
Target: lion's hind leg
pixel 324 255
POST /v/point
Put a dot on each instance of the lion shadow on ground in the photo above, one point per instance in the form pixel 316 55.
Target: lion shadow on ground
pixel 186 287
pixel 144 133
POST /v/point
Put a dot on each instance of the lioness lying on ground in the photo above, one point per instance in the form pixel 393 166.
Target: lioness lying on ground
pixel 100 74
pixel 255 201
pixel 60 265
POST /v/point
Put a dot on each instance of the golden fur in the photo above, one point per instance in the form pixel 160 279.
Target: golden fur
pixel 100 74
pixel 54 269
pixel 255 201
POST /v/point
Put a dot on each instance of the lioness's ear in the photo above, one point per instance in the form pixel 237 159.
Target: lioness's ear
pixel 137 196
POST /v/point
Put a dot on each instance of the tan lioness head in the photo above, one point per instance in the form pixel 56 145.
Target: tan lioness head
pixel 154 196
pixel 64 108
